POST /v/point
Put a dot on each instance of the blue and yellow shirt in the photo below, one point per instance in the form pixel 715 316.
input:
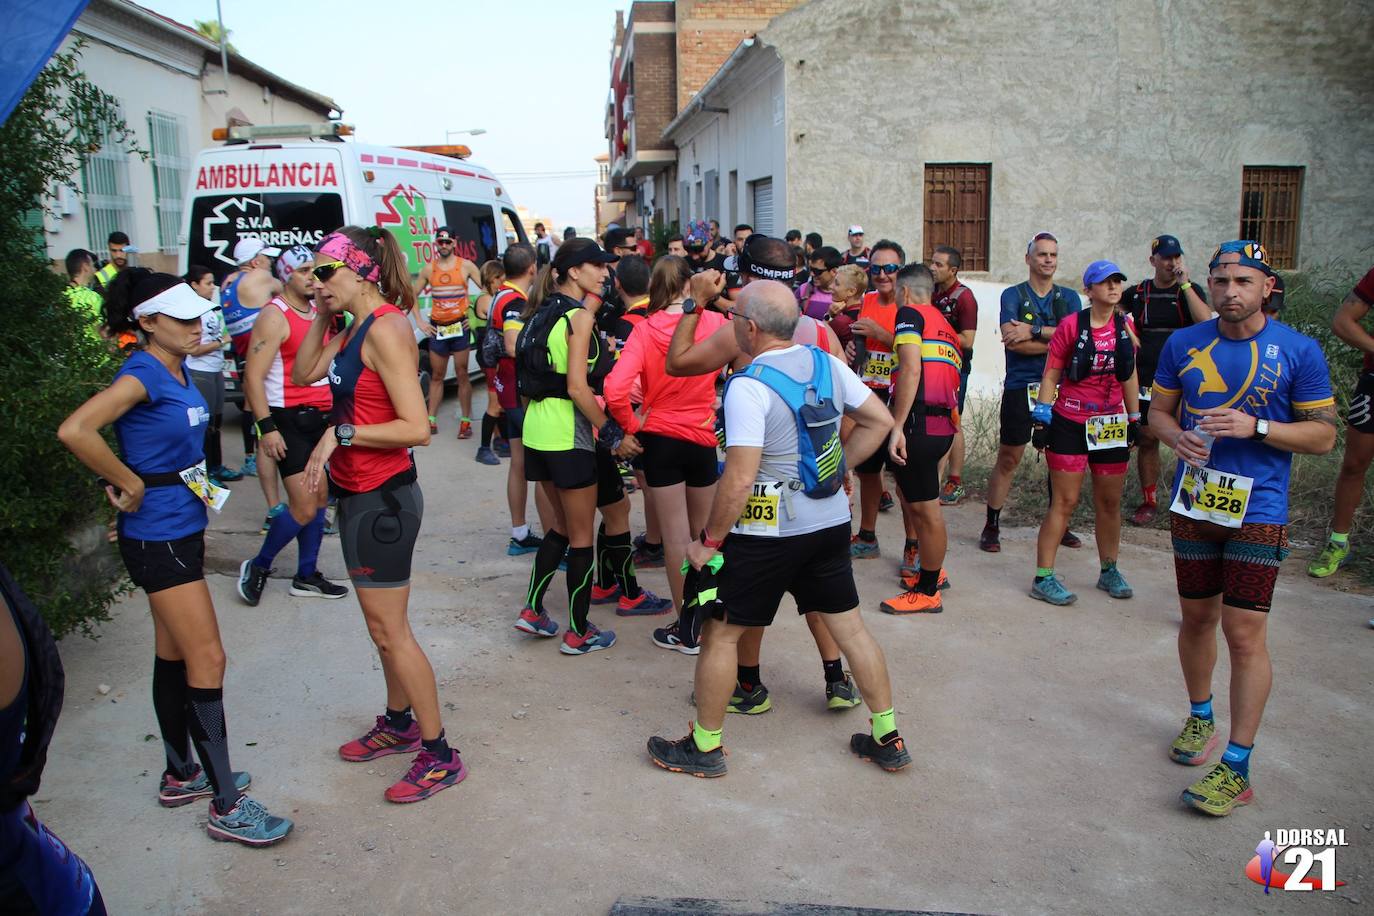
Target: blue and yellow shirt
pixel 1269 376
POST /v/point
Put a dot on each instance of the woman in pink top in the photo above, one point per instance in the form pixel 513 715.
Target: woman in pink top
pixel 1091 423
pixel 676 423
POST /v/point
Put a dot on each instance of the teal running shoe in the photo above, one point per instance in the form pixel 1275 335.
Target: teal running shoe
pixel 249 823
pixel 173 792
pixel 1113 583
pixel 1052 591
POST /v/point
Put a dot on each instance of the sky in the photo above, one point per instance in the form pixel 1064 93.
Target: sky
pixel 533 73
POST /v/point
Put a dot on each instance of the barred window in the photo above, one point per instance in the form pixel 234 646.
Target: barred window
pixel 1270 202
pixel 167 133
pixel 105 186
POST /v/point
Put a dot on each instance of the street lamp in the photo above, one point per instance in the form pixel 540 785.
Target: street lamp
pixel 474 132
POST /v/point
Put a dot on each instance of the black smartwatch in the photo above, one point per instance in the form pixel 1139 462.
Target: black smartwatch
pixel 1035 331
pixel 345 432
pixel 689 306
pixel 1261 430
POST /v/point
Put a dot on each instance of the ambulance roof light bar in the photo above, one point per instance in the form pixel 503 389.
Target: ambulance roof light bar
pixel 243 133
pixel 453 150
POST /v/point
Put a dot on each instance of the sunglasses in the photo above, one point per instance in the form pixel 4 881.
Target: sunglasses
pixel 326 270
pixel 875 270
pixel 818 269
pixel 734 313
pixel 443 241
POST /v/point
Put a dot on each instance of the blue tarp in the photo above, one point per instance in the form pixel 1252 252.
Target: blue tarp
pixel 30 31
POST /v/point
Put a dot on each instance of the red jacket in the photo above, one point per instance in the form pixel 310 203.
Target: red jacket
pixel 680 407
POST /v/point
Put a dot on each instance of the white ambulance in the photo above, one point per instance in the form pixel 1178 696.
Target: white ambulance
pixel 293 184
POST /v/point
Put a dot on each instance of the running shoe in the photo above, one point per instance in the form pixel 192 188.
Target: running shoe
pixel 941 584
pixel 250 466
pixel 527 544
pixel 1332 558
pixel 913 602
pixel 990 540
pixel 590 641
pixel 173 792
pixel 842 694
pixel 501 447
pixel 860 549
pixel 891 755
pixel 885 502
pixel 911 561
pixel 485 456
pixel 1051 590
pixel 754 703
pixel 627 478
pixel 1070 540
pixel 1144 514
pixel 226 473
pixel 382 740
pixel 248 822
pixel 1219 791
pixel 427 776
pixel 646 605
pixel 605 595
pixel 670 637
pixel 252 581
pixel 646 555
pixel 272 513
pixel 331 517
pixel 1113 583
pixel 433 425
pixel 1195 743
pixel 540 624
pixel 316 586
pixel 464 429
pixel 952 494
pixel 683 756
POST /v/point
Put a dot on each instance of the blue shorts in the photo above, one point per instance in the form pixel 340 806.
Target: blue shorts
pixel 451 345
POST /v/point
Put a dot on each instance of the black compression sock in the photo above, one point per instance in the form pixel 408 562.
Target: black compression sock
pixel 579 588
pixel 211 737
pixel 620 557
pixel 398 719
pixel 834 671
pixel 545 565
pixel 605 575
pixel 928 582
pixel 867 536
pixel 994 517
pixel 748 676
pixel 488 427
pixel 438 747
pixel 169 702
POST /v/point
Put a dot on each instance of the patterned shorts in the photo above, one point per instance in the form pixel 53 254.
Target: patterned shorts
pixel 1240 564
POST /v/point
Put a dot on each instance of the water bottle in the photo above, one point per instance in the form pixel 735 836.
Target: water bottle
pixel 1206 437
pixel 860 353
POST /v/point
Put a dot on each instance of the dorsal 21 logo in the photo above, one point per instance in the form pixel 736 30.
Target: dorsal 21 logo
pixel 1311 852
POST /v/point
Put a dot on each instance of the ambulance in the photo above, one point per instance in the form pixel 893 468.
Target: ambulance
pixel 291 184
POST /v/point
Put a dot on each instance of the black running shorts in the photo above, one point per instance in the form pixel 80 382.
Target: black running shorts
pixel 1360 415
pixel 378 530
pixel 814 568
pixel 668 461
pixel 301 429
pixel 1016 417
pixel 919 479
pixel 157 565
pixel 570 469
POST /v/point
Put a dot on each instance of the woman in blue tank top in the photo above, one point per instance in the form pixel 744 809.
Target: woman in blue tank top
pixel 159 418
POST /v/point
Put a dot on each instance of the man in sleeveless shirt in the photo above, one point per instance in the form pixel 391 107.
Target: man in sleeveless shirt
pixel 244 292
pixel 1160 305
pixel 290 420
pixel 447 327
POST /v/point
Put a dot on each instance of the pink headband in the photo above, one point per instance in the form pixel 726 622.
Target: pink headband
pixel 340 247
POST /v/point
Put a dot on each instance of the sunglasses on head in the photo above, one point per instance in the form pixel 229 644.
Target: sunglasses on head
pixel 326 270
pixel 878 269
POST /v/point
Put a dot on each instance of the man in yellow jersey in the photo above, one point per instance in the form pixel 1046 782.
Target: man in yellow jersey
pixel 118 246
pixel 447 277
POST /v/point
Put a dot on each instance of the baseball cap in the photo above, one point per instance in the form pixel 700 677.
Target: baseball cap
pixel 291 259
pixel 1252 254
pixel 697 234
pixel 1166 246
pixel 856 229
pixel 1101 270
pixel 443 235
pixel 578 251
pixel 246 250
pixel 1275 301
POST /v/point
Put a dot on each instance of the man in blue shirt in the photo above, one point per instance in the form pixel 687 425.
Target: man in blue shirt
pixel 1030 312
pixel 1252 392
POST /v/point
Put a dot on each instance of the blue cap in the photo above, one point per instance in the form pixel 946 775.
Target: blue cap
pixel 1101 270
pixel 1252 254
pixel 1166 246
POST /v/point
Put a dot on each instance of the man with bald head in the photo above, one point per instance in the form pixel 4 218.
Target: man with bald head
pixel 773 537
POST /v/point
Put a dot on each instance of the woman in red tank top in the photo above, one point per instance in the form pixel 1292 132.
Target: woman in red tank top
pixel 379 413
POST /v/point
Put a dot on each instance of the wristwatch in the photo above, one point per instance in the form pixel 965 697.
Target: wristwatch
pixel 710 541
pixel 1261 430
pixel 1035 331
pixel 345 432
pixel 689 306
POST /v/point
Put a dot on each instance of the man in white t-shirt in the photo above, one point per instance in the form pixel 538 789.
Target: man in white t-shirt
pixel 792 544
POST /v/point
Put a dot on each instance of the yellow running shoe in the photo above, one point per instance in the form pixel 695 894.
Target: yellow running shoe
pixel 1219 791
pixel 1195 743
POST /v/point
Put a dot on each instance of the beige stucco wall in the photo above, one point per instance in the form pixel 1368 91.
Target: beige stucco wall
pixel 1105 122
pixel 258 102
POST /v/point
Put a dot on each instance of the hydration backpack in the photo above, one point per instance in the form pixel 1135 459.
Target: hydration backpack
pixel 820 456
pixel 491 345
pixel 535 376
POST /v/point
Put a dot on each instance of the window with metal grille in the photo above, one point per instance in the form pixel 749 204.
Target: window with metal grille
pixel 105 189
pixel 168 135
pixel 956 211
pixel 1270 202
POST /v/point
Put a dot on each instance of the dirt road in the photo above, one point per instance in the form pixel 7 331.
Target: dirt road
pixel 1039 734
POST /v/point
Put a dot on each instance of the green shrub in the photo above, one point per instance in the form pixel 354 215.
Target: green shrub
pixel 52 362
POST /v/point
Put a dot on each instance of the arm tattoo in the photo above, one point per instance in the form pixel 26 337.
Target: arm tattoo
pixel 259 345
pixel 1325 415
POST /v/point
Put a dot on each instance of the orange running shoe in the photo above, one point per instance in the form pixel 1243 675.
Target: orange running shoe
pixel 913 602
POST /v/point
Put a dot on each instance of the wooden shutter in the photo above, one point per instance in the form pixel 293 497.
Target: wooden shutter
pixel 956 211
pixel 1270 201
